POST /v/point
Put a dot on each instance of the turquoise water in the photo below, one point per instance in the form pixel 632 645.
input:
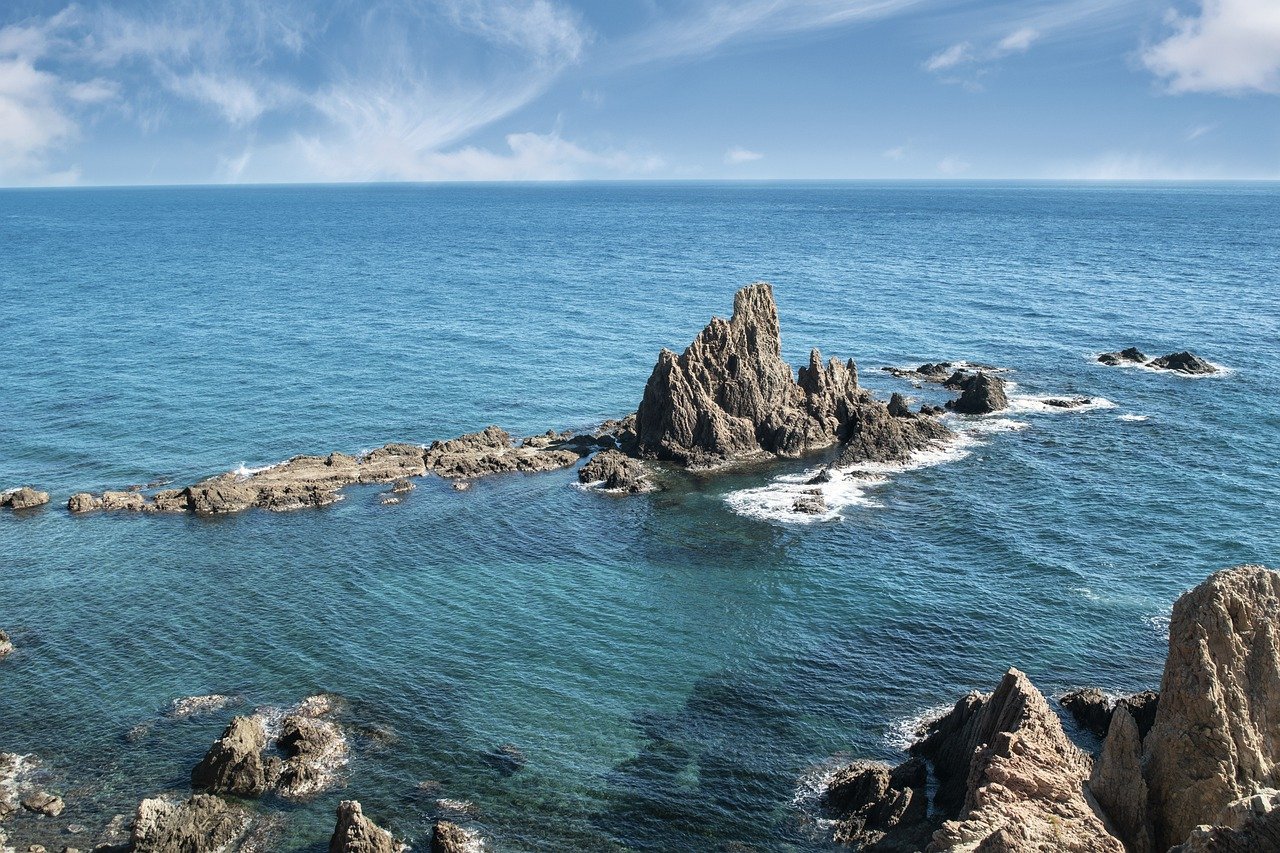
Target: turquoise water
pixel 672 668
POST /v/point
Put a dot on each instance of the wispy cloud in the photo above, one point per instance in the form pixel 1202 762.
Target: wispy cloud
pixel 897 152
pixel 738 155
pixel 1200 130
pixel 1231 47
pixel 974 61
pixel 952 165
pixel 958 54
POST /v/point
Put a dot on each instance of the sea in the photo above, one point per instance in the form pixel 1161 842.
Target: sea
pixel 678 670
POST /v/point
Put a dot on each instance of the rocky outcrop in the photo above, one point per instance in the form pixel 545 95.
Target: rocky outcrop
pixel 980 394
pixel 730 397
pixel 1024 788
pixel 811 502
pixel 1093 709
pixel 872 434
pixel 6 645
pixel 492 451
pixel 1216 737
pixel 1183 362
pixel 1247 825
pixel 23 497
pixel 355 833
pixel 314 750
pixel 202 824
pixel 1117 784
pixel 930 371
pixel 42 802
pixel 879 807
pixel 447 837
pixel 615 471
pixel 1132 355
pixel 235 764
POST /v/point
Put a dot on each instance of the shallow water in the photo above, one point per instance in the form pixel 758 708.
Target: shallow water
pixel 671 667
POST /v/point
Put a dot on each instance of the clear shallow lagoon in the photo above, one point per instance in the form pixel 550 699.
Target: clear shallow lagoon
pixel 671 668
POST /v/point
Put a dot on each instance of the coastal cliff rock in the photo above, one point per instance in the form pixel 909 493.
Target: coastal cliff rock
pixel 1025 784
pixel 1248 825
pixel 980 394
pixel 730 397
pixel 447 837
pixel 1216 737
pixel 234 764
pixel 880 808
pixel 616 472
pixel 1117 783
pixel 202 824
pixel 23 497
pixel 355 833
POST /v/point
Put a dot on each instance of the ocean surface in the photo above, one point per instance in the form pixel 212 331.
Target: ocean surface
pixel 677 668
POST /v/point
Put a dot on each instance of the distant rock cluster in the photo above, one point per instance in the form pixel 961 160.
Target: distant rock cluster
pixel 1193 769
pixel 23 497
pixel 1178 362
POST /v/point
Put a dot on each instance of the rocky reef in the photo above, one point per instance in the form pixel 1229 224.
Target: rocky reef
pixel 1204 777
pixel 614 471
pixel 730 397
pixel 981 393
pixel 355 833
pixel 6 645
pixel 23 497
pixel 1179 362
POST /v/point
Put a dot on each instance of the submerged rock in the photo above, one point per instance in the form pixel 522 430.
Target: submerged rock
pixel 507 759
pixel 980 394
pixel 193 706
pixel 1132 355
pixel 202 824
pixel 1068 402
pixel 616 472
pixel 355 833
pixel 1216 738
pixel 42 802
pixel 1024 788
pixel 729 397
pixel 234 764
pixel 1183 362
pixel 23 497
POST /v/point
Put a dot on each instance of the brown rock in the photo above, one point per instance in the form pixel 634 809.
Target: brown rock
pixel 1025 782
pixel 42 802
pixel 202 824
pixel 616 472
pixel 1216 736
pixel 83 502
pixel 879 807
pixel 448 837
pixel 980 394
pixel 355 833
pixel 234 764
pixel 1247 825
pixel 315 749
pixel 24 497
pixel 491 451
pixel 1117 784
pixel 6 645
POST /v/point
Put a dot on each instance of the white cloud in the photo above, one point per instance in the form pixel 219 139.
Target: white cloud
pixel 957 54
pixel 93 91
pixel 738 155
pixel 895 153
pixel 552 34
pixel 1200 130
pixel 952 165
pixel 1018 41
pixel 32 120
pixel 1232 46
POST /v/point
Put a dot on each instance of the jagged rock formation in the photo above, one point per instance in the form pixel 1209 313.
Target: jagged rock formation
pixel 314 481
pixel 314 749
pixel 729 397
pixel 980 394
pixel 355 833
pixel 880 808
pixel 1024 787
pixel 1216 737
pixel 1093 709
pixel 1132 355
pixel 202 824
pixel 447 837
pixel 1183 362
pixel 1248 825
pixel 234 764
pixel 6 645
pixel 616 472
pixel 1117 783
pixel 23 497
pixel 930 371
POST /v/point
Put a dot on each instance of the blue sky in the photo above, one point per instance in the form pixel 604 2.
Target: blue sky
pixel 419 90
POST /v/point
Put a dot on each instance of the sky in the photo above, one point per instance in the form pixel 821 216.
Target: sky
pixel 264 91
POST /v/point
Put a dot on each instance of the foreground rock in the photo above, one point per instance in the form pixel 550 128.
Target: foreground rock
pixel 1216 737
pixel 314 750
pixel 234 764
pixel 448 837
pixel 730 397
pixel 878 807
pixel 980 394
pixel 202 824
pixel 1248 825
pixel 355 833
pixel 23 498
pixel 615 471
pixel 1117 784
pixel 1023 779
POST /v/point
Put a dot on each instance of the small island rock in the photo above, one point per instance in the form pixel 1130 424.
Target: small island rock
pixel 355 833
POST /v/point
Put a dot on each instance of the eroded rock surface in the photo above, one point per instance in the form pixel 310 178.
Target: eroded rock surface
pixel 1216 737
pixel 1117 784
pixel 616 472
pixel 880 808
pixel 492 451
pixel 6 645
pixel 448 837
pixel 1247 825
pixel 314 750
pixel 23 497
pixel 981 393
pixel 1025 786
pixel 235 764
pixel 730 397
pixel 202 824
pixel 355 833
pixel 1183 362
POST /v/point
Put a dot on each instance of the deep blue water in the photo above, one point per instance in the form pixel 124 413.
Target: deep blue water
pixel 671 668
